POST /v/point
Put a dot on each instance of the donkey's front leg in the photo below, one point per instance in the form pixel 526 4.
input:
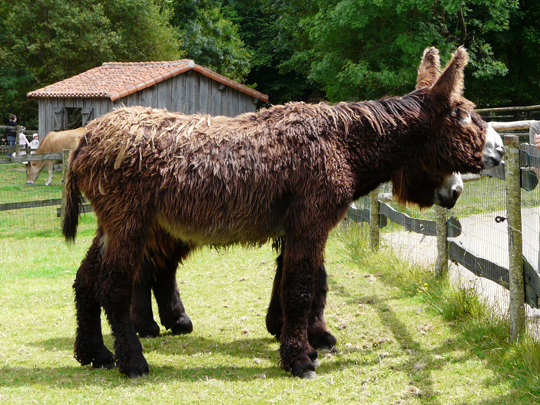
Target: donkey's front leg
pixel 89 346
pixel 116 283
pixel 302 259
pixel 318 334
pixel 141 305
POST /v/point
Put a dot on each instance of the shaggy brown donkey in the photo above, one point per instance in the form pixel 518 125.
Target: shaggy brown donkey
pixel 158 272
pixel 285 172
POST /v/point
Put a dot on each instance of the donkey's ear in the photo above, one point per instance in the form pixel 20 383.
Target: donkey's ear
pixel 449 85
pixel 429 68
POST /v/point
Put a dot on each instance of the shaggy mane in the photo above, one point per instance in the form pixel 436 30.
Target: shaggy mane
pixel 166 131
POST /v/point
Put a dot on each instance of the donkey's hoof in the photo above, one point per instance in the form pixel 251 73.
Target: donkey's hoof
pixel 137 374
pixel 309 375
pixel 324 341
pixel 305 370
pixel 304 373
pixel 182 326
pixel 149 331
pixel 136 371
pixel 106 362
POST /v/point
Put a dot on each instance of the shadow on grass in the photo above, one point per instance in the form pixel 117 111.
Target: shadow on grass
pixel 180 350
pixel 473 341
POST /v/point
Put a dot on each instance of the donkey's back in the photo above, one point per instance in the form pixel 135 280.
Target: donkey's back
pixel 212 180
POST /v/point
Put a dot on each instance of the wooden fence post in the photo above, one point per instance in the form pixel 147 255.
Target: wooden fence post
pixel 65 160
pixel 374 219
pixel 513 207
pixel 441 265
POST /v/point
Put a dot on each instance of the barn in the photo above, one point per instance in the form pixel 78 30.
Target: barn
pixel 181 86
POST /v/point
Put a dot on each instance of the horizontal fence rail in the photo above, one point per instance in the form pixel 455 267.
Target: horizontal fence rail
pixel 30 204
pixel 36 157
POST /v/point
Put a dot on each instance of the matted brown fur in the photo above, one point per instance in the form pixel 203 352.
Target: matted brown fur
pixel 288 172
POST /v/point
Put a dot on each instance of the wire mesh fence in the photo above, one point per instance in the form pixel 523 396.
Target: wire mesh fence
pixel 481 229
pixel 14 192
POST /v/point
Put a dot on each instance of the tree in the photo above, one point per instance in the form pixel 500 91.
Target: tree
pixel 518 48
pixel 258 30
pixel 357 49
pixel 44 41
pixel 210 38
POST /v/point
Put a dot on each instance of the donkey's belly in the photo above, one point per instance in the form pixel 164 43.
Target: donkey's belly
pixel 219 230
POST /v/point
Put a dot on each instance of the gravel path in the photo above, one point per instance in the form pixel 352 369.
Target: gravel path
pixel 485 237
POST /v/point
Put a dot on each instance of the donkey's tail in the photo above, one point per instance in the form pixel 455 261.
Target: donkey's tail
pixel 73 198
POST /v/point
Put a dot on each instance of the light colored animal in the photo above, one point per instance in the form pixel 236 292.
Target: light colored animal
pixel 54 142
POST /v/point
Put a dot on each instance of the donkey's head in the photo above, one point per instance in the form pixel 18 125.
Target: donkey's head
pixel 458 138
pixel 415 184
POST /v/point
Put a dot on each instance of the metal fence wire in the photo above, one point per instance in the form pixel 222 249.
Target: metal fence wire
pixel 28 210
pixel 479 229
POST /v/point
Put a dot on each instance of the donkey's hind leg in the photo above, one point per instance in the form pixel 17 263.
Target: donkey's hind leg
pixel 89 346
pixel 274 316
pixel 171 309
pixel 158 272
pixel 318 334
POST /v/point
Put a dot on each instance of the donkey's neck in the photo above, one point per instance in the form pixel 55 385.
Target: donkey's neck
pixel 388 135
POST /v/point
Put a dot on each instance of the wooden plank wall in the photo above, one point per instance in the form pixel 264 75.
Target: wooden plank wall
pixel 47 107
pixel 192 93
pixel 189 93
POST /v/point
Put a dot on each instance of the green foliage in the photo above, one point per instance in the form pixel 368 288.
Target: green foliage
pixel 44 41
pixel 258 30
pixel 210 38
pixel 358 49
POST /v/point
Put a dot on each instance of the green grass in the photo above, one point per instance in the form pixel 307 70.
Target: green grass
pixel 13 187
pixel 404 337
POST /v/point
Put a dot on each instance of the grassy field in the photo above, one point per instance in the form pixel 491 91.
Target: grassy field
pixel 404 336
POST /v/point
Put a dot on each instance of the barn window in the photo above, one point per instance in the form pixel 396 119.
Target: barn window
pixel 74 118
pixel 71 117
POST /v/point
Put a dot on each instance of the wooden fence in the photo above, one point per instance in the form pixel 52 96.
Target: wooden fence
pixel 15 148
pixel 64 156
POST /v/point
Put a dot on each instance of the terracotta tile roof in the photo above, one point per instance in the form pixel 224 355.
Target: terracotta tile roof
pixel 115 80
